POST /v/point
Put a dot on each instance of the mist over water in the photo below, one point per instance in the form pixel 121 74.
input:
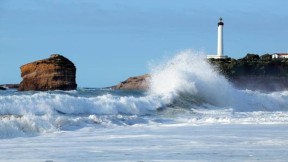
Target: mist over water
pixel 183 89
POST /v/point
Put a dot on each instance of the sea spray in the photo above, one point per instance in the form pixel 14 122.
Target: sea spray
pixel 189 74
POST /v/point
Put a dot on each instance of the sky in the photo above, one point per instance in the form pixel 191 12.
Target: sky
pixel 111 40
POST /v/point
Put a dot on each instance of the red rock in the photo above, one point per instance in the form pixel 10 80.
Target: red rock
pixel 134 83
pixel 54 73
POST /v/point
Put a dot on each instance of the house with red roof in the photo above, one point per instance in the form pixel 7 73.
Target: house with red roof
pixel 280 56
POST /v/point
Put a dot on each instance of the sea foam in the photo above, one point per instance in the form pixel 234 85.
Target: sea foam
pixel 40 112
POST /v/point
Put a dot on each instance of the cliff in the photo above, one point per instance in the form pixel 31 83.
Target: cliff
pixel 255 72
pixel 54 73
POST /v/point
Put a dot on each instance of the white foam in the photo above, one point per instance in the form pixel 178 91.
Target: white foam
pixel 191 74
pixel 31 114
pixel 43 103
pixel 163 143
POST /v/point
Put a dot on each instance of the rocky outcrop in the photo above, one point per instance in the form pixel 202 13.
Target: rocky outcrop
pixel 54 73
pixel 2 88
pixel 255 72
pixel 9 86
pixel 134 83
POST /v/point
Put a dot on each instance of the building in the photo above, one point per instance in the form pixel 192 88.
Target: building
pixel 220 50
pixel 280 56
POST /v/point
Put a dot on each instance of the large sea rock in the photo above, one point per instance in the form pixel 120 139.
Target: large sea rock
pixel 134 83
pixel 54 73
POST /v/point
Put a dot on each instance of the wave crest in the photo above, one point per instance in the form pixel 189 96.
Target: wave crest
pixel 188 80
pixel 189 74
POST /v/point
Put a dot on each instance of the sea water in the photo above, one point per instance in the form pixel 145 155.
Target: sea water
pixel 190 113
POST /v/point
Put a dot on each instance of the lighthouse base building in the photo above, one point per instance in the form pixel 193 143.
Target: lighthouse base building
pixel 216 57
pixel 220 53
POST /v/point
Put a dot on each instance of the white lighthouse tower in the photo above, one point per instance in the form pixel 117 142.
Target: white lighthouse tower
pixel 220 53
pixel 220 38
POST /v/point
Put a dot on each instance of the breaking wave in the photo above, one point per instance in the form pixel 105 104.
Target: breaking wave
pixel 48 112
pixel 188 80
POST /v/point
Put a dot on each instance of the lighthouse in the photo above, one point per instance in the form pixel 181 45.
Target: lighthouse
pixel 220 50
pixel 220 38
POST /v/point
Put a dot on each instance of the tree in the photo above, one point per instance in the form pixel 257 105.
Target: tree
pixel 251 57
pixel 266 57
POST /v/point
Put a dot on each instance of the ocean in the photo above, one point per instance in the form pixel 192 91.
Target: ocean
pixel 190 113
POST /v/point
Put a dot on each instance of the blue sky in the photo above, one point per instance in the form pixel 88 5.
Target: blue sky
pixel 112 40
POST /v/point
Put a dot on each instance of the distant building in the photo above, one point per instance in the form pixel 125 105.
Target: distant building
pixel 220 53
pixel 280 56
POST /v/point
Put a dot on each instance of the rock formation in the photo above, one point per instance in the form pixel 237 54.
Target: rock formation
pixel 255 72
pixel 9 86
pixel 54 73
pixel 2 88
pixel 134 83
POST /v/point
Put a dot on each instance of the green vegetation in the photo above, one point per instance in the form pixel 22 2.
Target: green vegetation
pixel 252 65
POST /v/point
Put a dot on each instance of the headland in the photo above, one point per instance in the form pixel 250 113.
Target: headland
pixel 253 72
